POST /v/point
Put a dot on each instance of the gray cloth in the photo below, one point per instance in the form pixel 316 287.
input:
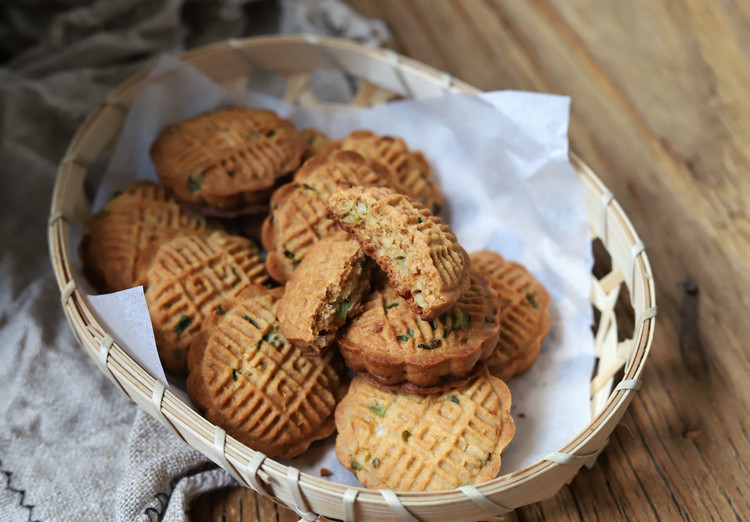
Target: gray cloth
pixel 72 447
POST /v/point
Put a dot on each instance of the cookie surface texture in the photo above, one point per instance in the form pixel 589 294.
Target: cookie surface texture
pixel 407 442
pixel 418 251
pixel 325 289
pixel 297 218
pixel 185 277
pixel 124 226
pixel 394 345
pixel 255 384
pixel 524 314
pixel 314 141
pixel 226 159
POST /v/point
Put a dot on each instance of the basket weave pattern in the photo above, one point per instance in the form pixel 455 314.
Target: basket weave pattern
pixel 382 75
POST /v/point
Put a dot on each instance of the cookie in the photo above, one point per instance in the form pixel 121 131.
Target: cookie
pixel 411 172
pixel 406 442
pixel 185 276
pixel 251 381
pixel 314 141
pixel 226 159
pixel 325 289
pixel 394 345
pixel 124 226
pixel 297 218
pixel 524 314
pixel 418 251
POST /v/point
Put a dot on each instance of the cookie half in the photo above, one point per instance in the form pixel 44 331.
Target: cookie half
pixel 407 442
pixel 297 218
pixel 325 289
pixel 185 276
pixel 125 225
pixel 394 345
pixel 226 159
pixel 524 314
pixel 260 388
pixel 418 251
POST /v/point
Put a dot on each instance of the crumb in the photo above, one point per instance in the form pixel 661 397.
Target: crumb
pixel 324 472
pixel 522 415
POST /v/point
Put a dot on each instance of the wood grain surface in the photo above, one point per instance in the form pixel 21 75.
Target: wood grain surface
pixel 661 111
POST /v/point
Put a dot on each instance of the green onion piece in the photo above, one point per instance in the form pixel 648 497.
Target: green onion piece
pixel 388 306
pixel 250 320
pixel 344 307
pixel 182 324
pixel 194 183
pixel 377 409
pixel 406 336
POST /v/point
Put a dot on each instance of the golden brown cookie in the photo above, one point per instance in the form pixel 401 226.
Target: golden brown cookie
pixel 314 141
pixel 406 442
pixel 185 276
pixel 524 314
pixel 297 219
pixel 411 171
pixel 418 251
pixel 326 288
pixel 255 384
pixel 226 159
pixel 124 226
pixel 394 345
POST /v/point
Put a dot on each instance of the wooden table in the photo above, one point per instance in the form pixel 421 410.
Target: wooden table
pixel 661 111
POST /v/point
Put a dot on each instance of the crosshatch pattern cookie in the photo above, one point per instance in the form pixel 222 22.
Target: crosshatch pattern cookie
pixel 255 384
pixel 411 172
pixel 124 226
pixel 418 251
pixel 407 442
pixel 394 345
pixel 185 276
pixel 324 291
pixel 524 314
pixel 226 159
pixel 315 142
pixel 297 219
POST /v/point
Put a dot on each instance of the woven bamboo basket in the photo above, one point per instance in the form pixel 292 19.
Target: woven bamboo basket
pixel 381 75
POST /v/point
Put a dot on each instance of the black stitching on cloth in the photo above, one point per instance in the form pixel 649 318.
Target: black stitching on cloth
pixel 22 492
pixel 155 514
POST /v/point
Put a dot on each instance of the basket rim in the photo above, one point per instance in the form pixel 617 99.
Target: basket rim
pixel 120 366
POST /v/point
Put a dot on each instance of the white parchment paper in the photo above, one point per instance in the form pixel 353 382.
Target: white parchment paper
pixel 502 162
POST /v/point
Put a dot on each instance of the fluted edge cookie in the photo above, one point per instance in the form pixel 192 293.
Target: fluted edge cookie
pixel 418 251
pixel 524 314
pixel 185 276
pixel 406 442
pixel 411 173
pixel 226 159
pixel 325 289
pixel 394 345
pixel 260 388
pixel 125 225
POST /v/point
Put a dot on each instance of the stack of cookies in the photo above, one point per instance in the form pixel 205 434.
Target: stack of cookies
pixel 360 312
